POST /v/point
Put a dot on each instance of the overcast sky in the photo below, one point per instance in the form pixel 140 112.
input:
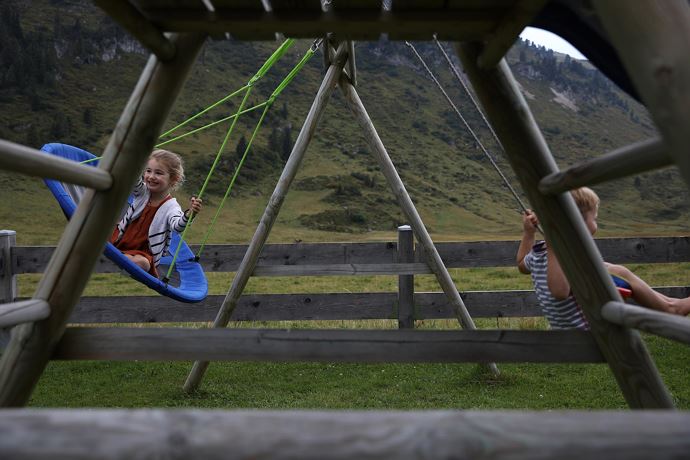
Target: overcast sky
pixel 549 40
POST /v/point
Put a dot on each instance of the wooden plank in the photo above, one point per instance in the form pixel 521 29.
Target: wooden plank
pixel 24 311
pixel 508 31
pixel 629 160
pixel 326 345
pixel 268 218
pixel 531 159
pixel 351 24
pixel 652 40
pixel 343 269
pixel 31 345
pixel 305 307
pixel 406 311
pixel 227 257
pixel 123 434
pixel 8 279
pixel 25 160
pixel 125 14
pixel 663 324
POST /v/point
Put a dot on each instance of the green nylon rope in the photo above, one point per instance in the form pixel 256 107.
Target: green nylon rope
pixel 232 181
pixel 211 125
pixel 308 55
pixel 259 74
pixel 277 54
pixel 208 177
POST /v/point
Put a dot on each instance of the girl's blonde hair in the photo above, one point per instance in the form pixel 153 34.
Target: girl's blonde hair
pixel 173 163
pixel 586 199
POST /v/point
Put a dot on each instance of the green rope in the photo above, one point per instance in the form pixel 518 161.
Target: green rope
pixel 210 125
pixel 282 49
pixel 208 177
pixel 197 115
pixel 277 54
pixel 234 177
pixel 290 76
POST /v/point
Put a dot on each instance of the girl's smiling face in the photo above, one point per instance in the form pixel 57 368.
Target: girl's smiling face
pixel 157 177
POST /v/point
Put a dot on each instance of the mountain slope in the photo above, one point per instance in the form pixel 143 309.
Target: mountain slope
pixel 69 71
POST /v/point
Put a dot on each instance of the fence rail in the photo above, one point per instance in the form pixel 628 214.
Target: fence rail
pixel 227 257
pixel 313 259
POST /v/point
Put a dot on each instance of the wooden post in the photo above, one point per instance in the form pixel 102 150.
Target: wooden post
pixel 398 187
pixel 273 207
pixel 405 282
pixel 32 344
pixel 8 280
pixel 565 230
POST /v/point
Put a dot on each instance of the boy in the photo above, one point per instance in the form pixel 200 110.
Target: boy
pixel 551 285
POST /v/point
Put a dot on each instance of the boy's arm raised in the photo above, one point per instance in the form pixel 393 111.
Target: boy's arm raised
pixel 529 229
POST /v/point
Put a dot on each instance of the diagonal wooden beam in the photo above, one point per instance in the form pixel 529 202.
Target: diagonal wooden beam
pixel 565 230
pixel 653 39
pixel 629 160
pixel 31 345
pixel 407 206
pixel 270 214
pixel 25 160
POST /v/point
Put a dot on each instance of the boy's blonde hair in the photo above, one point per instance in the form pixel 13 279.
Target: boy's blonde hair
pixel 173 163
pixel 586 199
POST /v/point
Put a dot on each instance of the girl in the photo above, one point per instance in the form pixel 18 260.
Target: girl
pixel 144 232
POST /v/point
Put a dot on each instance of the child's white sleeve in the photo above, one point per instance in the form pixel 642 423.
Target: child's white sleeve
pixel 139 188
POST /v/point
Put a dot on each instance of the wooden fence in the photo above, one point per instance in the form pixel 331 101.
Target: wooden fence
pixel 337 259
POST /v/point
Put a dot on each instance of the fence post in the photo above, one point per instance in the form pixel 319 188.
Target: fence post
pixel 405 282
pixel 8 280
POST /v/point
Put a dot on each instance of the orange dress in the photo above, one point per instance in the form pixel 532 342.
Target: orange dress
pixel 135 240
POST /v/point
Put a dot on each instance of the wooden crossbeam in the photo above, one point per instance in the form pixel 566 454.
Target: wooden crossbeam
pixel 24 311
pixel 354 24
pixel 663 324
pixel 125 14
pixel 326 345
pixel 633 159
pixel 115 434
pixel 308 307
pixel 343 269
pixel 32 162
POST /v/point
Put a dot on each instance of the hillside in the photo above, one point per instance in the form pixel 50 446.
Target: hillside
pixel 68 71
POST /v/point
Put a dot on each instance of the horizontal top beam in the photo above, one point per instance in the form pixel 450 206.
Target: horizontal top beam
pixel 354 20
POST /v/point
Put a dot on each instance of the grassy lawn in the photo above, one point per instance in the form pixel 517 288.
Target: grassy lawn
pixel 357 386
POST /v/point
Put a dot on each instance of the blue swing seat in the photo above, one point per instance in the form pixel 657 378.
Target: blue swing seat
pixel 193 286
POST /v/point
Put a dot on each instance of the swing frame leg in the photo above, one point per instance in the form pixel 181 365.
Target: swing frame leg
pixel 31 344
pixel 398 187
pixel 270 214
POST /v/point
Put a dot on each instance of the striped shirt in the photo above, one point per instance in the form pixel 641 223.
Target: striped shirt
pixel 561 314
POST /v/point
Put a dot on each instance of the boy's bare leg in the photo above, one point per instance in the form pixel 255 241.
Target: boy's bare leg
pixel 141 261
pixel 648 297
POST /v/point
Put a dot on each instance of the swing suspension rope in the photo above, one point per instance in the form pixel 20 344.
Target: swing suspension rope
pixel 467 126
pixel 266 106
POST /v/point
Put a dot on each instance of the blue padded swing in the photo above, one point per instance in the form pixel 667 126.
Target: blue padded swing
pixel 192 287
